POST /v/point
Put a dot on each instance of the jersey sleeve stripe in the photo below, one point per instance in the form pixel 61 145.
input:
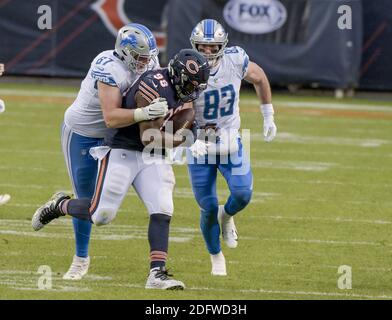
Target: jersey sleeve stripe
pixel 245 66
pixel 155 93
pixel 145 97
pixel 147 93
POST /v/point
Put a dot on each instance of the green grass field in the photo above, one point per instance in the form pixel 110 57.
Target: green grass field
pixel 322 199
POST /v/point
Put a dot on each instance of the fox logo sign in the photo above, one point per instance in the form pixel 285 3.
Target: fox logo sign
pixel 255 17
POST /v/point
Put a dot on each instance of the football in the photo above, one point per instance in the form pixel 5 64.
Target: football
pixel 179 119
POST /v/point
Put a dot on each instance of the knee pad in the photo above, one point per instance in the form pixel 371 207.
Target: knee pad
pixel 117 182
pixel 103 216
pixel 209 204
pixel 165 195
pixel 242 196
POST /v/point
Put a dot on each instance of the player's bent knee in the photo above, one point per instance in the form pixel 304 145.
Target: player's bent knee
pixel 103 216
pixel 242 196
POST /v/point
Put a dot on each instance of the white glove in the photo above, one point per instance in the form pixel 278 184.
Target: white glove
pixel 199 148
pixel 158 108
pixel 269 126
pixel 2 106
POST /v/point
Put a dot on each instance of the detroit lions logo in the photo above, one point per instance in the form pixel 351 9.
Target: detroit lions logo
pixel 130 40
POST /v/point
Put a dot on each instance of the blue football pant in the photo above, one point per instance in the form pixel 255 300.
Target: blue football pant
pixel 203 179
pixel 82 170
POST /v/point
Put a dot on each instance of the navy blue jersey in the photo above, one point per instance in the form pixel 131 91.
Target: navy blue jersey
pixel 151 85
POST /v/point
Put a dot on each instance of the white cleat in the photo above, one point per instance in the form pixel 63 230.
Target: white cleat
pixel 229 231
pixel 78 268
pixel 218 263
pixel 4 198
pixel 159 279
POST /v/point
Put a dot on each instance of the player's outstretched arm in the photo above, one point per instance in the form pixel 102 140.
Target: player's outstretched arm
pixel 117 117
pixel 256 75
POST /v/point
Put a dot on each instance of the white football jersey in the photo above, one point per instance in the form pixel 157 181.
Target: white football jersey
pixel 85 116
pixel 219 103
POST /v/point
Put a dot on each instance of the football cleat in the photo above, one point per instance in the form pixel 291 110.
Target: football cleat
pixel 218 263
pixel 229 231
pixel 48 211
pixel 78 268
pixel 4 198
pixel 159 278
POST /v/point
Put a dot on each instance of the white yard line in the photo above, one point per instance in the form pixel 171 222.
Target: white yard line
pixel 37 93
pixel 293 165
pixel 285 137
pixel 30 125
pixel 22 227
pixel 30 152
pixel 324 105
pixel 264 291
pixel 332 242
pixel 30 284
pixel 312 218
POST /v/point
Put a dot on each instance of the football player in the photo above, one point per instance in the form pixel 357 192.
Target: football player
pixel 4 198
pixel 96 109
pixel 122 163
pixel 218 108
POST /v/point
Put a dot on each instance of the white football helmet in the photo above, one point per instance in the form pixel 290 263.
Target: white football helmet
pixel 210 32
pixel 136 46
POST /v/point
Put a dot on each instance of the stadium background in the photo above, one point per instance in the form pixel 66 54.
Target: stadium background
pixel 321 189
pixel 356 58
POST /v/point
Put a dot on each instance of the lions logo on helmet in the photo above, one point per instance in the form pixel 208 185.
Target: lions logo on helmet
pixel 189 73
pixel 210 32
pixel 136 46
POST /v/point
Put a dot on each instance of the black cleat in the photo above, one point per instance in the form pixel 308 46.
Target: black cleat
pixel 48 211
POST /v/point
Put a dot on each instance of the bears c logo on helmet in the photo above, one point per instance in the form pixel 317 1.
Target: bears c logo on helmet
pixel 192 66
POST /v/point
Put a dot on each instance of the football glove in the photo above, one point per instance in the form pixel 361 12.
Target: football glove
pixel 158 108
pixel 269 125
pixel 199 148
pixel 2 106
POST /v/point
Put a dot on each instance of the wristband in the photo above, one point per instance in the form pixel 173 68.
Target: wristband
pixel 139 115
pixel 267 109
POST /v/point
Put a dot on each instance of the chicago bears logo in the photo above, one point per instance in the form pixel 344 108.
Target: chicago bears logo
pixel 192 66
pixel 114 17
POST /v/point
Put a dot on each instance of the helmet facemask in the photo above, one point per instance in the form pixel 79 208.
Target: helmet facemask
pixel 137 62
pixel 187 90
pixel 214 57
